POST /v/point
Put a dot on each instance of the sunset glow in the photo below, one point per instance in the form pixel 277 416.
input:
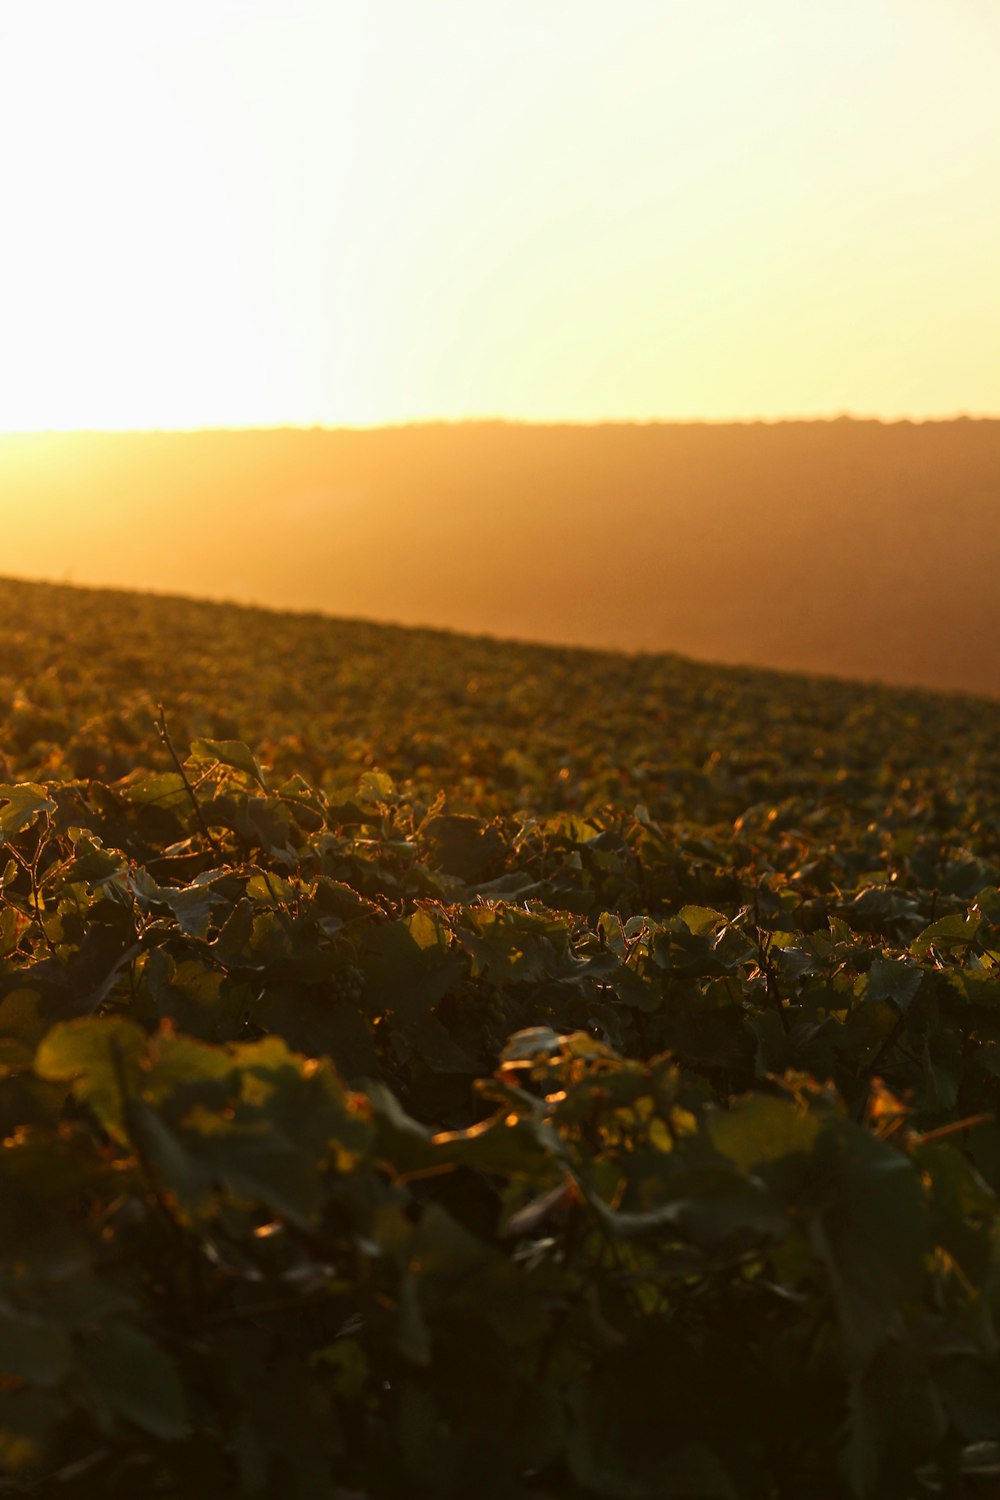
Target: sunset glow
pixel 221 212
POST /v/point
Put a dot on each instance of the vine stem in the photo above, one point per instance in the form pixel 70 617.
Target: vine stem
pixel 29 868
pixel 284 917
pixel 164 733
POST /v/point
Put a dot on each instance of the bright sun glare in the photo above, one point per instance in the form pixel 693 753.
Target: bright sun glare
pixel 283 211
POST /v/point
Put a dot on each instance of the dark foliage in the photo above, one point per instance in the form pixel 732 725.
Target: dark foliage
pixel 432 1067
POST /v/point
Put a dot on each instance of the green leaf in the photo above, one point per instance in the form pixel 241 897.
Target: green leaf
pixel 872 1235
pixel 132 1376
pixel 947 934
pixel 897 1420
pixel 265 1132
pixel 100 1059
pixel 700 919
pixel 94 863
pixel 164 789
pixel 462 845
pixel 32 1349
pixel 177 1169
pixel 894 980
pixel 232 753
pixel 23 803
pixel 763 1128
pixel 707 1209
pixel 374 789
pixel 345 1365
pixel 411 1336
pixel 22 1024
pixel 194 906
pixel 408 967
pixel 266 823
pixel 400 1141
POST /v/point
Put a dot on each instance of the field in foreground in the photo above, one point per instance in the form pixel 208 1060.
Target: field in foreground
pixel 436 1067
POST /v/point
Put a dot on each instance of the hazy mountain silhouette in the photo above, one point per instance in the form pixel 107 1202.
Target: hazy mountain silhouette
pixel 853 547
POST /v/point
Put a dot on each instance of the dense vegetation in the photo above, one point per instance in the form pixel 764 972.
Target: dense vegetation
pixel 435 1067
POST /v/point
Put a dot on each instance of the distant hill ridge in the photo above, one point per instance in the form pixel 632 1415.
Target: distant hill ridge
pixel 859 548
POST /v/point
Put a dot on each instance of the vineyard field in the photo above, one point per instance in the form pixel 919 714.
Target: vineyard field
pixel 438 1066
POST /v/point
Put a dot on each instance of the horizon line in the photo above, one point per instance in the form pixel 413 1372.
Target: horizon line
pixel 828 418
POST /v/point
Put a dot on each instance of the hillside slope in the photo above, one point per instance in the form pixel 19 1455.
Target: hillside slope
pixel 859 548
pixel 82 670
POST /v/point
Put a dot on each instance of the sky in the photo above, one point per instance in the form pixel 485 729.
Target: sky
pixel 269 212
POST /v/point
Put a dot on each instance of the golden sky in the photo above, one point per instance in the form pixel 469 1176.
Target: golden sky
pixel 238 212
